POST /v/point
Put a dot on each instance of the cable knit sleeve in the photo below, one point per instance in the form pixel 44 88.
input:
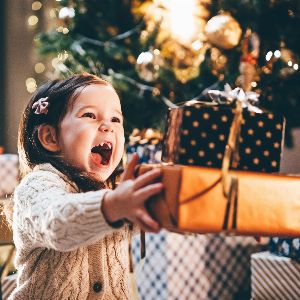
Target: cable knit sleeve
pixel 51 216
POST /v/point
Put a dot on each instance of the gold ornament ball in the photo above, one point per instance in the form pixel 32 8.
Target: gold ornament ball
pixel 185 61
pixel 223 31
pixel 148 64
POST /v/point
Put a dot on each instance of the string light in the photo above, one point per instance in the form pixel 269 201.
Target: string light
pixel 32 20
pixel 31 85
pixel 296 67
pixel 39 68
pixel 66 12
pixel 144 57
pixel 277 53
pixel 36 5
pixel 269 55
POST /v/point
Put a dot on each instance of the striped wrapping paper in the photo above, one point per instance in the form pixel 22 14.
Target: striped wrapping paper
pixel 8 284
pixel 274 277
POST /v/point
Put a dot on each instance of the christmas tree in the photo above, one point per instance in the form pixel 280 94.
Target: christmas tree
pixel 161 52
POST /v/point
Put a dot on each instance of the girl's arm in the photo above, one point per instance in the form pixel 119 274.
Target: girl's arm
pixel 54 218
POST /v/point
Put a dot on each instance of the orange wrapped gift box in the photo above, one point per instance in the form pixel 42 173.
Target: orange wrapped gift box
pixel 193 201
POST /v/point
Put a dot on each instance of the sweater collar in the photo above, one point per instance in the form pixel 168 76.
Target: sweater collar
pixel 50 168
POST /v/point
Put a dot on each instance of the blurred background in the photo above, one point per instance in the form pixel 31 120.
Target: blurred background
pixel 155 53
pixel 158 53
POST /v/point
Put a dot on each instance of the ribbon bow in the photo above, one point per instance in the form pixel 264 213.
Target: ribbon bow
pixel 249 100
pixel 41 106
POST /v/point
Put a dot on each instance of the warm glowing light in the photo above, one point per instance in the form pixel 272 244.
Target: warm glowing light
pixel 36 5
pixel 269 55
pixel 156 51
pixel 39 68
pixel 52 13
pixel 290 63
pixel 180 18
pixel 63 55
pixel 66 12
pixel 31 85
pixel 65 30
pixel 29 80
pixel 33 20
pixel 58 62
pixel 277 53
pixel 254 84
pixel 144 57
pixel 296 67
pixel 197 45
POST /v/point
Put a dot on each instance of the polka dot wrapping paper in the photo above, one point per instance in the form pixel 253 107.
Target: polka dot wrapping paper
pixel 197 135
pixel 286 247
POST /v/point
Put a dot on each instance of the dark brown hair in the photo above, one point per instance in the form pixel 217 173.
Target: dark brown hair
pixel 61 94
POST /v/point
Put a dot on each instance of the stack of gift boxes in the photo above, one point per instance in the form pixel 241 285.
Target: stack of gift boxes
pixel 146 144
pixel 9 173
pixel 197 134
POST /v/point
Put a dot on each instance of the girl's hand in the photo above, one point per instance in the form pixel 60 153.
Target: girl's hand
pixel 127 201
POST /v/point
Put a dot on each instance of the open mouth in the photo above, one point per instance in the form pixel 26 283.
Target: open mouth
pixel 101 153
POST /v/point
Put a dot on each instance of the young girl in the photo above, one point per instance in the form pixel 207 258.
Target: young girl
pixel 71 232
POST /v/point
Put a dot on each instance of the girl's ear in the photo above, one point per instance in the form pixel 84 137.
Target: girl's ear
pixel 48 137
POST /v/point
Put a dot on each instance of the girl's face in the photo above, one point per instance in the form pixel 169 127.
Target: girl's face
pixel 91 135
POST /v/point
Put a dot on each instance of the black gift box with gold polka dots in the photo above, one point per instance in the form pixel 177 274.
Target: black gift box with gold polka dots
pixel 197 135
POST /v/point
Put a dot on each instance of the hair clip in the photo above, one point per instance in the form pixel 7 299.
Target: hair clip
pixel 41 106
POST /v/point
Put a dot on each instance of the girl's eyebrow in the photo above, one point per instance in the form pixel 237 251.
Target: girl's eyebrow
pixel 118 111
pixel 95 107
pixel 85 107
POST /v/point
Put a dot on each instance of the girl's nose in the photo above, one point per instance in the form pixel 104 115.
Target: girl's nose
pixel 106 127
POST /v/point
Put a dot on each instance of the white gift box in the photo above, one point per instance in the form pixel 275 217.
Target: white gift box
pixel 9 172
pixel 274 277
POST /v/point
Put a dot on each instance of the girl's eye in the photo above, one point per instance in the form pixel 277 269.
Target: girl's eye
pixel 89 115
pixel 115 119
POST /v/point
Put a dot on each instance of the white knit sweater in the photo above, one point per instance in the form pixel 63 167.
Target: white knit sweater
pixel 65 248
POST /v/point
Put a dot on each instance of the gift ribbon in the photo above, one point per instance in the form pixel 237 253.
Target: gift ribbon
pixel 229 181
pixel 132 273
pixel 248 100
pixel 231 159
pixel 231 155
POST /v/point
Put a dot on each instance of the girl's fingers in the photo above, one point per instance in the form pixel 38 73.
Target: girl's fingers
pixel 146 178
pixel 148 191
pixel 142 226
pixel 146 222
pixel 129 170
